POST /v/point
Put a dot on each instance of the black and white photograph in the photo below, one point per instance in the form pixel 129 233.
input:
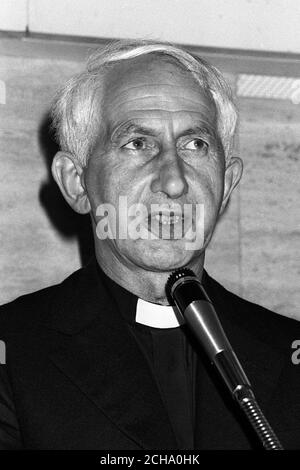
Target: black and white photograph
pixel 149 227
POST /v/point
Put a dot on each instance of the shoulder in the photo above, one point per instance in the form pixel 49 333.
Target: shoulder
pixel 259 321
pixel 30 310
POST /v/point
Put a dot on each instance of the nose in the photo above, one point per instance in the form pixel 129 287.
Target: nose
pixel 170 178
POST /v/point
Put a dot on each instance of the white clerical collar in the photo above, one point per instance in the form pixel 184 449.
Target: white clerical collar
pixel 157 316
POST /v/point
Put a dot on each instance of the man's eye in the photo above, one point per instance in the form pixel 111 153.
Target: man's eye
pixel 135 144
pixel 196 144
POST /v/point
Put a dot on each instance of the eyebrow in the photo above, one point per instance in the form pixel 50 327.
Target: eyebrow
pixel 201 130
pixel 132 128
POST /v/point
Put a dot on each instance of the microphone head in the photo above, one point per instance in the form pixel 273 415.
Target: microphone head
pixel 174 277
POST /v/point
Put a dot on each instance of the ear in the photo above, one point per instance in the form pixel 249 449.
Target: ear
pixel 233 173
pixel 68 174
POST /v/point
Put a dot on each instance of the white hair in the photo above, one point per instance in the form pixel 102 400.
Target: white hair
pixel 76 110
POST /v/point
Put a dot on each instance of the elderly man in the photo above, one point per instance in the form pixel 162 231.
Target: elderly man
pixel 102 361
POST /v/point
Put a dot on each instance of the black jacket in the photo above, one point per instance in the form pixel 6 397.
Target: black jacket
pixel 76 379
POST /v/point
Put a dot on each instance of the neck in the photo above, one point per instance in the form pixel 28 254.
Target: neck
pixel 145 284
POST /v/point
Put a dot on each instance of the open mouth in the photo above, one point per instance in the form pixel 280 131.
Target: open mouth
pixel 167 219
pixel 167 225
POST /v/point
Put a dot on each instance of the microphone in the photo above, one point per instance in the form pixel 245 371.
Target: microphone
pixel 185 290
pixel 198 311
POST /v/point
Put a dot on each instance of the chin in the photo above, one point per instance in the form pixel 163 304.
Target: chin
pixel 161 255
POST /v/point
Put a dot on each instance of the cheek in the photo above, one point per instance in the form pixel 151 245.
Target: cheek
pixel 208 190
pixel 107 180
pixel 208 187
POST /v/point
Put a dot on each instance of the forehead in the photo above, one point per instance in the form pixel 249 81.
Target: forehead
pixel 149 87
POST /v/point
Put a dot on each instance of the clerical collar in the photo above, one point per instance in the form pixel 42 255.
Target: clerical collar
pixel 157 316
pixel 135 310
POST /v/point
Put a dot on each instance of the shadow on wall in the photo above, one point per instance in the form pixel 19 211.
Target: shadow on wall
pixel 67 222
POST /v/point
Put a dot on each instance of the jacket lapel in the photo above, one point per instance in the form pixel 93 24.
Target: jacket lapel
pixel 100 355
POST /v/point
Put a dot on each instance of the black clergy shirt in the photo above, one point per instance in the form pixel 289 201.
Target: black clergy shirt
pixel 171 358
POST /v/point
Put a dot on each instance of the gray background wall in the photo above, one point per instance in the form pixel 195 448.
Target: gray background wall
pixel 270 25
pixel 255 249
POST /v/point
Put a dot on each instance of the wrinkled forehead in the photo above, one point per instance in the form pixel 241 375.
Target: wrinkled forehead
pixel 153 76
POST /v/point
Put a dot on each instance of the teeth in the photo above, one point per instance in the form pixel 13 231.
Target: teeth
pixel 166 219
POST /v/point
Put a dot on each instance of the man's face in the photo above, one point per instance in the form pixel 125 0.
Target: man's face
pixel 159 145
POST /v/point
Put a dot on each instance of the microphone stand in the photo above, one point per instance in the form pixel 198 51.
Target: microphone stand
pixel 189 296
